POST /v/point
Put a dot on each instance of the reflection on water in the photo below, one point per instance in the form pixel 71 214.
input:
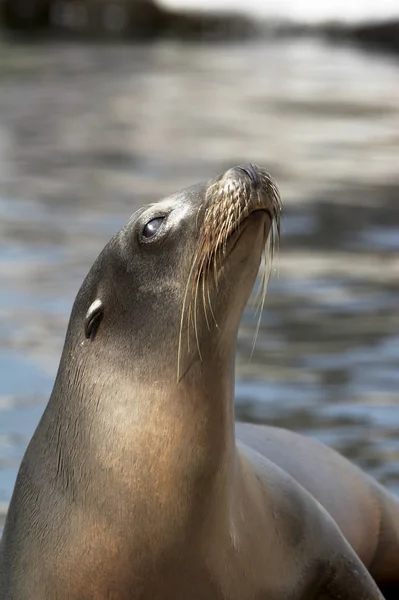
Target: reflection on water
pixel 88 134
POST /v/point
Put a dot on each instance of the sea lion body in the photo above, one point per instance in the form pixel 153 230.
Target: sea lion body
pixel 349 495
pixel 137 484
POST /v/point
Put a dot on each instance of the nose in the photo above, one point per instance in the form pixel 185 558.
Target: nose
pixel 250 171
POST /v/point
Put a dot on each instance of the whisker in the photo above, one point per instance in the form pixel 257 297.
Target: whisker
pixel 195 316
pixel 212 313
pixel 182 315
pixel 265 281
pixel 227 203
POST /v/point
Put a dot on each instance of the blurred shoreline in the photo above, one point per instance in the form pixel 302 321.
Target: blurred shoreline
pixel 110 21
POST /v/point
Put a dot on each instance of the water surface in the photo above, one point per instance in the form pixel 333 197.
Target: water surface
pixel 89 133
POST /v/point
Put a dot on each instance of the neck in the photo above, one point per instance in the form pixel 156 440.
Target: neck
pixel 143 427
pixel 207 392
pixel 148 465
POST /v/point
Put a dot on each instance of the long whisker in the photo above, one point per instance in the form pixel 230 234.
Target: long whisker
pixel 196 313
pixel 207 277
pixel 265 280
pixel 211 309
pixel 257 299
pixel 182 314
pixel 204 304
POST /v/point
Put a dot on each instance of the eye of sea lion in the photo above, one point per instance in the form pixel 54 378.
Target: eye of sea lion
pixel 93 318
pixel 150 228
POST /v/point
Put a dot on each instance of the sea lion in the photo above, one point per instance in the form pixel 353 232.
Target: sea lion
pixel 137 484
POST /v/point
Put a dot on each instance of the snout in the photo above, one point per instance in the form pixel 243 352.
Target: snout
pixel 244 189
pixel 247 174
pixel 250 171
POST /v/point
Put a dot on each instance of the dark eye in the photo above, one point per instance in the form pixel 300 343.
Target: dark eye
pixel 152 227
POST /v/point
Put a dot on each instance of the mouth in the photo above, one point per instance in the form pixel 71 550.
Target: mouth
pixel 235 236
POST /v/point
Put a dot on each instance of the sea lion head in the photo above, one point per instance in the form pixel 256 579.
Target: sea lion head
pixel 174 281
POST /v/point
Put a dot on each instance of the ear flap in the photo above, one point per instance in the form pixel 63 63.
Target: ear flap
pixel 93 318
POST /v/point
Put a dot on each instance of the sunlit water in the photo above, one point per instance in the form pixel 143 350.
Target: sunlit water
pixel 88 134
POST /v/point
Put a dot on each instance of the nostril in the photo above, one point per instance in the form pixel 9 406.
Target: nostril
pixel 251 172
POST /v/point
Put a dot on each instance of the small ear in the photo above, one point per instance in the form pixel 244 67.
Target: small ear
pixel 93 318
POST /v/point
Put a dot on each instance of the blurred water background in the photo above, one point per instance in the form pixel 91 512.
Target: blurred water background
pixel 90 132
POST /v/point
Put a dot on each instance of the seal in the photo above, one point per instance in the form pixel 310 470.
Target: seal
pixel 137 483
